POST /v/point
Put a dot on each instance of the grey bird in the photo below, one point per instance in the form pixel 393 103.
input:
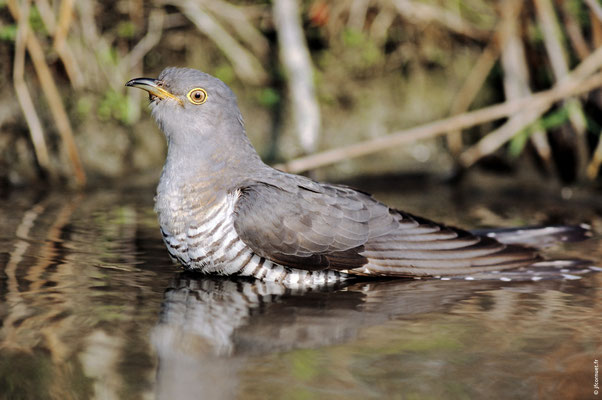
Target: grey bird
pixel 222 210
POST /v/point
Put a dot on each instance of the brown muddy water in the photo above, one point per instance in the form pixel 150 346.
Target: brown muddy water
pixel 92 307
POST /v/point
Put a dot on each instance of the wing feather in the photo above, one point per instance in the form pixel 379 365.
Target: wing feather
pixel 317 226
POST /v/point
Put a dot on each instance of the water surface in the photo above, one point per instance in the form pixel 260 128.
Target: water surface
pixel 92 307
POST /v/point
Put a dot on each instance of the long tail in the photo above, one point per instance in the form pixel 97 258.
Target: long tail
pixel 538 236
pixel 423 248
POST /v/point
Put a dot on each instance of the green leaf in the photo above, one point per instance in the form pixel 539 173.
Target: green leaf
pixel 114 105
pixel 35 21
pixel 268 97
pixel 224 72
pixel 126 29
pixel 592 125
pixel 552 120
pixel 353 38
pixel 8 32
pixel 518 142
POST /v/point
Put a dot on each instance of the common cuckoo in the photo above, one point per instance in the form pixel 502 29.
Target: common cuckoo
pixel 222 210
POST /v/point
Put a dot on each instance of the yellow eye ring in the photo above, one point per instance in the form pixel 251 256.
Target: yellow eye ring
pixel 197 96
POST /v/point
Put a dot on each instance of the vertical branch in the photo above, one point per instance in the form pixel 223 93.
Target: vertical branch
pixel 297 63
pixel 55 102
pixel 146 44
pixel 23 97
pixel 473 83
pixel 60 44
pixel 245 64
pixel 516 76
pixel 133 60
pixel 573 30
pixel 239 21
pixel 594 166
pixel 595 7
pixel 47 15
pixel 516 84
pixel 381 24
pixel 357 14
pixel 596 162
pixel 60 33
pixel 95 50
pixel 552 36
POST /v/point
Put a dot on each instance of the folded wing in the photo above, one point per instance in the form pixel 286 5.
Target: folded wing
pixel 315 226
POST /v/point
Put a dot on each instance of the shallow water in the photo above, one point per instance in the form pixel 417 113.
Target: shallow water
pixel 91 307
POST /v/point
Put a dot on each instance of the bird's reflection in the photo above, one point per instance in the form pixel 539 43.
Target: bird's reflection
pixel 212 314
pixel 226 317
pixel 210 328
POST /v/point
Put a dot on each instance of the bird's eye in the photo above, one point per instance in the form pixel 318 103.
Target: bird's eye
pixel 197 96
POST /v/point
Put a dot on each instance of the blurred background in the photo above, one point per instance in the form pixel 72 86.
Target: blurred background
pixel 351 76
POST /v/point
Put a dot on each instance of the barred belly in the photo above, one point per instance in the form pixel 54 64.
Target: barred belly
pixel 212 245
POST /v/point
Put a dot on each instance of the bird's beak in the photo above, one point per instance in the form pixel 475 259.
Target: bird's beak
pixel 153 87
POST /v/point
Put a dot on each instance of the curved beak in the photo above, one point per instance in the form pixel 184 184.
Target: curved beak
pixel 153 87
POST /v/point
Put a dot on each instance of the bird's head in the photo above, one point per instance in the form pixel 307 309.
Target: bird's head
pixel 189 104
pixel 200 118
